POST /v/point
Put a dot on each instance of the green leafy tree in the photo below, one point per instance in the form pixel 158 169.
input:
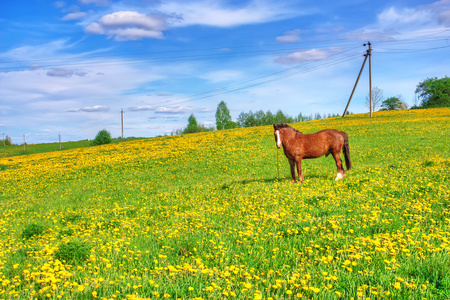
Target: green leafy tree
pixel 192 125
pixel 103 137
pixel 192 121
pixel 242 119
pixel 301 118
pixel 259 117
pixel 394 103
pixel 268 118
pixel 434 92
pixel 223 117
pixel 280 117
pixel 247 119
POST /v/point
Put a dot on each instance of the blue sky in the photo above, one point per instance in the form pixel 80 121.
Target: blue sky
pixel 70 67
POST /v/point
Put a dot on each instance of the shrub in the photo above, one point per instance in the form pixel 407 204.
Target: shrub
pixel 74 252
pixel 6 141
pixel 103 137
pixel 31 230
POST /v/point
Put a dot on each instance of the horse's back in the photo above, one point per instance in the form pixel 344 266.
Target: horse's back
pixel 329 135
pixel 323 142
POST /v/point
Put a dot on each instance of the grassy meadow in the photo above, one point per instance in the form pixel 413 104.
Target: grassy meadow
pixel 206 216
pixel 15 150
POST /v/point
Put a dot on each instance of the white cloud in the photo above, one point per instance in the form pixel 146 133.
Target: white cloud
pixel 96 108
pixel 96 2
pixel 290 36
pixel 132 18
pixel 393 17
pixel 141 107
pixel 444 17
pixel 133 34
pixel 395 21
pixel 172 110
pixel 74 16
pixel 35 52
pixel 60 72
pixel 95 28
pixel 302 56
pixel 216 13
pixel 35 67
pixel 129 25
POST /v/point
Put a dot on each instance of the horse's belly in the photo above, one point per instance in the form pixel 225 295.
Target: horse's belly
pixel 315 154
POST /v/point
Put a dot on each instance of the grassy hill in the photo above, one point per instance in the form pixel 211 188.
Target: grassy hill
pixel 16 150
pixel 207 216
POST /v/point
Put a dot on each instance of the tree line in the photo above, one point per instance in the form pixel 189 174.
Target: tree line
pixel 432 92
pixel 246 119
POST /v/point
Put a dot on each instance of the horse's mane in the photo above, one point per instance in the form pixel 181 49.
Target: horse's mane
pixel 282 125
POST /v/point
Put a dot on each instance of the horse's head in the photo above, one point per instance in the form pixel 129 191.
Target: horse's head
pixel 278 133
pixel 283 131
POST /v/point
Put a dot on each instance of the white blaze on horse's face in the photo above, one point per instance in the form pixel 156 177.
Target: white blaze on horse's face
pixel 277 134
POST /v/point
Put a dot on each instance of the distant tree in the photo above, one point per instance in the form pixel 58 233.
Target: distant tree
pixel 280 117
pixel 260 117
pixel 434 92
pixel 250 119
pixel 247 119
pixel 234 124
pixel 269 118
pixel 241 119
pixel 192 125
pixel 377 98
pixel 102 137
pixel 223 117
pixel 394 103
pixel 6 141
pixel 301 118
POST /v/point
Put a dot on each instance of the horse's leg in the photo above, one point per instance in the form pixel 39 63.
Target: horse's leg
pixel 340 169
pixel 299 169
pixel 292 164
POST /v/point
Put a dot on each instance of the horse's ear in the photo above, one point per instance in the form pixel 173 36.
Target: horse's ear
pixel 274 126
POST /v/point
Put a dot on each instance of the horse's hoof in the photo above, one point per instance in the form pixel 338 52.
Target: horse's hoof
pixel 339 176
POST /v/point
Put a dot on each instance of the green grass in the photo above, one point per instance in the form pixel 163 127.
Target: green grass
pixel 16 150
pixel 206 215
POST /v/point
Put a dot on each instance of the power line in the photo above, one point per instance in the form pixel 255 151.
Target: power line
pixel 162 59
pixel 402 51
pixel 120 60
pixel 228 90
pixel 284 74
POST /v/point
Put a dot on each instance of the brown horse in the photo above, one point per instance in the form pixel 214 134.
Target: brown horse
pixel 297 146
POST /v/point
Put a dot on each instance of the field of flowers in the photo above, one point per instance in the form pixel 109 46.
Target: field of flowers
pixel 206 216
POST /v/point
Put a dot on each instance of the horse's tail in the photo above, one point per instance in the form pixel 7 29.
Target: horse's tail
pixel 346 150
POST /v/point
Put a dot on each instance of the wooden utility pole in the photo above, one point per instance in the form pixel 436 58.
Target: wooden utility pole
pixel 122 121
pixel 24 143
pixel 368 54
pixel 60 141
